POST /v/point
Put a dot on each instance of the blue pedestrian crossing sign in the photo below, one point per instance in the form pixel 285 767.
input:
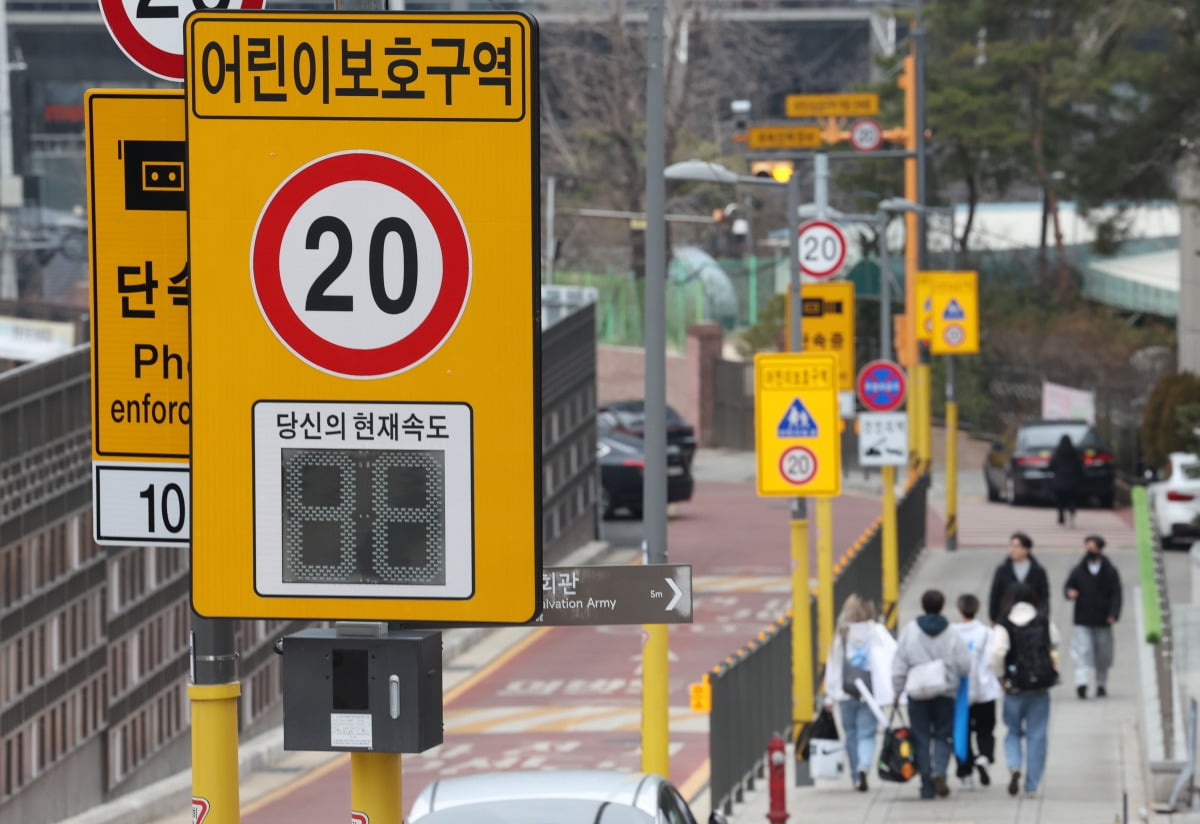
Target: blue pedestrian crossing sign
pixel 797 423
pixel 953 311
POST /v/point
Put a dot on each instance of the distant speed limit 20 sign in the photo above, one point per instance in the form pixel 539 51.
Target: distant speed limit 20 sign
pixel 822 248
pixel 362 231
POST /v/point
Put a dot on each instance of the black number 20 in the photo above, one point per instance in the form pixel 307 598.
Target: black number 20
pixel 147 11
pixel 318 298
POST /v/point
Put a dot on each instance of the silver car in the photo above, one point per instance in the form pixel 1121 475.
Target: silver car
pixel 553 797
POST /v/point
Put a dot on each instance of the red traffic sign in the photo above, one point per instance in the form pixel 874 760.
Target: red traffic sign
pixel 150 32
pixel 364 325
pixel 882 386
pixel 822 248
pixel 798 465
pixel 866 135
pixel 200 808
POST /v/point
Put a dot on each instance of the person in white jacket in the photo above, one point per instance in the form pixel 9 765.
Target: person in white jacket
pixel 983 691
pixel 1025 659
pixel 860 656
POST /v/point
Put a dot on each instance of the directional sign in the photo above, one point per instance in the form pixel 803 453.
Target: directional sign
pixel 831 105
pixel 600 595
pixel 378 253
pixel 822 248
pixel 141 407
pixel 150 32
pixel 954 309
pixel 866 135
pixel 882 386
pixel 783 137
pixel 827 324
pixel 882 439
pixel 797 432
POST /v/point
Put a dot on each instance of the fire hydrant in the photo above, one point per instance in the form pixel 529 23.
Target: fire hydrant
pixel 776 760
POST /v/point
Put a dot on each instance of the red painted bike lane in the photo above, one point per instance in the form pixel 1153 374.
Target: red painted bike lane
pixel 571 696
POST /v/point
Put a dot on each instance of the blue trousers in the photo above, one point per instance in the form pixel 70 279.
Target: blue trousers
pixel 932 723
pixel 1027 715
pixel 859 724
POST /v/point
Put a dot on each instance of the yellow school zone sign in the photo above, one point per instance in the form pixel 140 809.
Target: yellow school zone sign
pixel 954 308
pixel 139 289
pixel 797 428
pixel 363 233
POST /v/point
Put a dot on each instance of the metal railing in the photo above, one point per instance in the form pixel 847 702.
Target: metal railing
pixel 751 689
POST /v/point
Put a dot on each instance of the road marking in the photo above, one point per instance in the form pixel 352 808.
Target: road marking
pixel 697 781
pixel 590 718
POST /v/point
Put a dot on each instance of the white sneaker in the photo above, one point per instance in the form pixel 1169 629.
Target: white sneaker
pixel 968 782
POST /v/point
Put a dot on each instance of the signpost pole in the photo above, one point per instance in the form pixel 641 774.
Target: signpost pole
pixel 213 694
pixel 825 605
pixel 655 733
pixel 887 474
pixel 951 429
pixel 802 674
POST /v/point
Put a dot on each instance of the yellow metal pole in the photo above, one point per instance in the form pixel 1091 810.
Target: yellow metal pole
pixel 926 435
pixel 825 605
pixel 951 467
pixel 215 751
pixel 891 552
pixel 375 786
pixel 656 757
pixel 911 247
pixel 802 672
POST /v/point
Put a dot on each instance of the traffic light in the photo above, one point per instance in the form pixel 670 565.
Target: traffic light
pixel 781 170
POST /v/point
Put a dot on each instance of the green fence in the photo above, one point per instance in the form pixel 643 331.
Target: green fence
pixel 1152 608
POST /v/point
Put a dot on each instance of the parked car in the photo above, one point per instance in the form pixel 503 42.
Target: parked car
pixel 1175 500
pixel 1017 468
pixel 622 468
pixel 551 797
pixel 629 418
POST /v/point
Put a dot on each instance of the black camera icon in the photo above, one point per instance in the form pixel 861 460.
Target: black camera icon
pixel 155 175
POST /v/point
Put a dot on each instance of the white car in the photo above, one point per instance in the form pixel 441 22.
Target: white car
pixel 1175 500
pixel 553 797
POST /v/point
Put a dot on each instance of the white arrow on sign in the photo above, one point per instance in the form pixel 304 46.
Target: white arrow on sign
pixel 675 598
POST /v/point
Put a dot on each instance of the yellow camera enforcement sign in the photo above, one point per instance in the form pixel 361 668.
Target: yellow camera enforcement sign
pixel 363 222
pixel 797 428
pixel 827 324
pixel 137 224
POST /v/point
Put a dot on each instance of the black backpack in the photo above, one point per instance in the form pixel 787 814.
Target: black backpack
pixel 1028 665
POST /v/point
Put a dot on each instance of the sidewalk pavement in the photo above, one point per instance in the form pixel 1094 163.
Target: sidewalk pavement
pixel 1095 760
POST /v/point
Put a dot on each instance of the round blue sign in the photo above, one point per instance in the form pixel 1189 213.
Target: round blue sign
pixel 882 386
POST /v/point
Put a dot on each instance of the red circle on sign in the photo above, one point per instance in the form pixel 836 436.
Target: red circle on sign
pixel 828 264
pixel 267 277
pixel 869 127
pixel 882 398
pixel 137 46
pixel 805 454
pixel 954 334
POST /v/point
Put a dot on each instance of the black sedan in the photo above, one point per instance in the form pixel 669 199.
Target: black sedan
pixel 1017 468
pixel 622 466
pixel 629 418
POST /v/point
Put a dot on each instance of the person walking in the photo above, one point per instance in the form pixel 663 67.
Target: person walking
pixel 1066 468
pixel 860 656
pixel 1095 587
pixel 983 691
pixel 1025 659
pixel 930 659
pixel 1019 567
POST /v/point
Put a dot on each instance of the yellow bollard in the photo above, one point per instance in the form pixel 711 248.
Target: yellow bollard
pixel 802 673
pixel 656 736
pixel 951 475
pixel 215 752
pixel 825 605
pixel 891 552
pixel 375 792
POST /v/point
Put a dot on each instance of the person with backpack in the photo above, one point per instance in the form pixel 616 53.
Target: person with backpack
pixel 1095 587
pixel 930 660
pixel 860 656
pixel 1019 567
pixel 1025 659
pixel 983 690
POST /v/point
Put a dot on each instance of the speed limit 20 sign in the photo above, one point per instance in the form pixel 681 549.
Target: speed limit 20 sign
pixel 150 32
pixel 362 233
pixel 822 248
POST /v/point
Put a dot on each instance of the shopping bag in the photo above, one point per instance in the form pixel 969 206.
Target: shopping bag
pixel 962 720
pixel 896 757
pixel 824 726
pixel 825 758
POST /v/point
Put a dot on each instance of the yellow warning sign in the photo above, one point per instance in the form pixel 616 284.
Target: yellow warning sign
pixel 827 324
pixel 954 303
pixel 797 427
pixel 831 105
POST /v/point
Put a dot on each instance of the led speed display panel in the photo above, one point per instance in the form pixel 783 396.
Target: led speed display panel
pixel 362 499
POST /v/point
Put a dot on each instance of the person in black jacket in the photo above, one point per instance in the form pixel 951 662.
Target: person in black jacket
pixel 1067 468
pixel 1095 587
pixel 1020 565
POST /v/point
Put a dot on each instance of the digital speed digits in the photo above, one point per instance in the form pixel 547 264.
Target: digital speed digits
pixel 364 516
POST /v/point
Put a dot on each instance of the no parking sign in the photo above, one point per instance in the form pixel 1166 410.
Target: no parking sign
pixel 364 293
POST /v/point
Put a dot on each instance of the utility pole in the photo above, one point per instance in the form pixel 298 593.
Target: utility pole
pixel 11 196
pixel 655 708
pixel 824 504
